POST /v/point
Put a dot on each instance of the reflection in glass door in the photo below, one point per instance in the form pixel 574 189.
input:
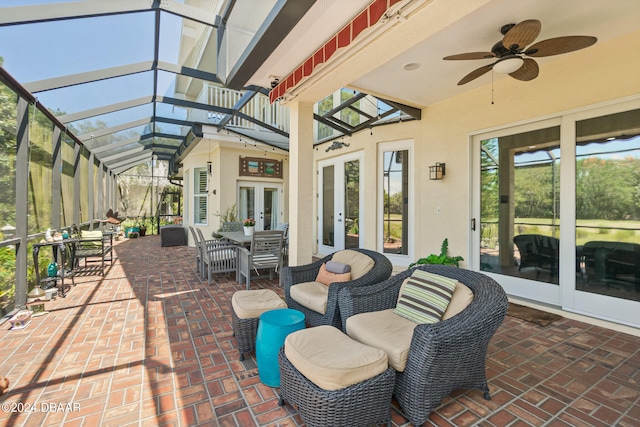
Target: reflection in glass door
pixel 608 205
pixel 339 204
pixel 519 211
pixel 260 201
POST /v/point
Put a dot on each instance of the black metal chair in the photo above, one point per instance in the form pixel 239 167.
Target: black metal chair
pixel 443 356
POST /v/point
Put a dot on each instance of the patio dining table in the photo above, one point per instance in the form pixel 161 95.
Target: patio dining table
pixel 237 237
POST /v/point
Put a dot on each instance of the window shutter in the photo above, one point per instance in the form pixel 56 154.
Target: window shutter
pixel 201 181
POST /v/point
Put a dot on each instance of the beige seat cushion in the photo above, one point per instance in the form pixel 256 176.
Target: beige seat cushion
pixel 360 263
pixel 392 333
pixel 252 303
pixel 384 330
pixel 332 360
pixel 312 295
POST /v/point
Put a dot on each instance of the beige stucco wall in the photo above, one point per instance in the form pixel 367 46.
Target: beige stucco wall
pixel 602 73
pixel 225 159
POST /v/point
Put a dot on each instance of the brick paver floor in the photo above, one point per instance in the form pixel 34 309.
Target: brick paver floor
pixel 151 344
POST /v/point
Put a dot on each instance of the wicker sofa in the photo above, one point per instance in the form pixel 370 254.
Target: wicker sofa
pixel 292 276
pixel 443 356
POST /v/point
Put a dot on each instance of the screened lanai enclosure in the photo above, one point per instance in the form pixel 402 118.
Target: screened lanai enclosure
pixel 100 102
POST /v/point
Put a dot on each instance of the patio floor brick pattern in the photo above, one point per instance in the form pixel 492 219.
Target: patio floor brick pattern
pixel 151 344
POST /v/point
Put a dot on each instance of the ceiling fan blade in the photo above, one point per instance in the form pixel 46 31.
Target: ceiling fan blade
pixel 470 55
pixel 522 34
pixel 559 45
pixel 475 74
pixel 528 71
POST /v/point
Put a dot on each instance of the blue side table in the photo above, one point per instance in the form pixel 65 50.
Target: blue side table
pixel 273 328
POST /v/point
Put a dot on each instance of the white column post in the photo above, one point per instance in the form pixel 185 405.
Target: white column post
pixel 301 183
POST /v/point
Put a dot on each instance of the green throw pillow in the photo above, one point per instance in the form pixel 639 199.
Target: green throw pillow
pixel 425 297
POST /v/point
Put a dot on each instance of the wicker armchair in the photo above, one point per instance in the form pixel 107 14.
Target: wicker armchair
pixel 443 356
pixel 291 276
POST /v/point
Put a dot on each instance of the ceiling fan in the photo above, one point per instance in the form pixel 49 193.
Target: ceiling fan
pixel 513 55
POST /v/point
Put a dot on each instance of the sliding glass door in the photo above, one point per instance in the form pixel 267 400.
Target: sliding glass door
pixel 556 211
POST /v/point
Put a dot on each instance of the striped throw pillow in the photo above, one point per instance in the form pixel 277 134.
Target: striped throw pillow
pixel 425 297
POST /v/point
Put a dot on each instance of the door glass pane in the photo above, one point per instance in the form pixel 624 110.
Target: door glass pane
pixel 396 201
pixel 247 203
pixel 270 216
pixel 352 204
pixel 608 205
pixel 520 199
pixel 328 191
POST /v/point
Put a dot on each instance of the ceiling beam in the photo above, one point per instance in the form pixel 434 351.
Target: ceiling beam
pixel 105 109
pixel 126 153
pixel 88 77
pixel 144 155
pixel 106 131
pixel 114 145
pixel 284 15
pixel 89 8
pixel 69 10
pixel 414 112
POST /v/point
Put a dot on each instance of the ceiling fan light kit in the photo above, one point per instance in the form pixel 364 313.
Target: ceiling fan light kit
pixel 508 65
pixel 513 57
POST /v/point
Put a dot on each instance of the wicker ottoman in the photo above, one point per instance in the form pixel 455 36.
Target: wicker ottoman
pixel 334 380
pixel 247 306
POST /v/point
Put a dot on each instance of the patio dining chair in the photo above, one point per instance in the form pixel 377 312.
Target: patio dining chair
pixel 216 256
pixel 265 253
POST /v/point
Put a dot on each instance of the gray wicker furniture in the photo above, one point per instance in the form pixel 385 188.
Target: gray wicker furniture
pixel 290 276
pixel 443 356
pixel 247 306
pixel 365 402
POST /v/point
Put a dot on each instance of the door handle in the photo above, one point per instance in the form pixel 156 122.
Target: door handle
pixel 473 224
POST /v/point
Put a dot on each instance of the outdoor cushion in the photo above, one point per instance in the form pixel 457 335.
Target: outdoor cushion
pixel 384 330
pixel 360 264
pixel 312 295
pixel 332 360
pixel 326 277
pixel 249 304
pixel 425 297
pixel 338 267
pixel 92 237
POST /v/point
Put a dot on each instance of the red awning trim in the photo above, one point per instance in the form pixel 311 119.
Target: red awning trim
pixel 342 39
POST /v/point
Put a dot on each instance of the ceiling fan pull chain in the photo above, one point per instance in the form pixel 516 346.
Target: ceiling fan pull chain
pixel 491 87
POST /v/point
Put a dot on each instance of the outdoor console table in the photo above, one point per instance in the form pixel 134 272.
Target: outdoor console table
pixel 64 248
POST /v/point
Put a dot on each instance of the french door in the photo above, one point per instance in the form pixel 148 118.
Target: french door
pixel 555 212
pixel 340 203
pixel 262 202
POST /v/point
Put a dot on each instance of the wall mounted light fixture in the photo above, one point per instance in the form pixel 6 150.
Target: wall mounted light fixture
pixel 436 172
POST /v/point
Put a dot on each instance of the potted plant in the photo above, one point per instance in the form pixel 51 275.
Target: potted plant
pixel 442 259
pixel 143 227
pixel 249 224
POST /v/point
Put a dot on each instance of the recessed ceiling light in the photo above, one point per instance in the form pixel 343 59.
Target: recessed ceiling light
pixel 411 66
